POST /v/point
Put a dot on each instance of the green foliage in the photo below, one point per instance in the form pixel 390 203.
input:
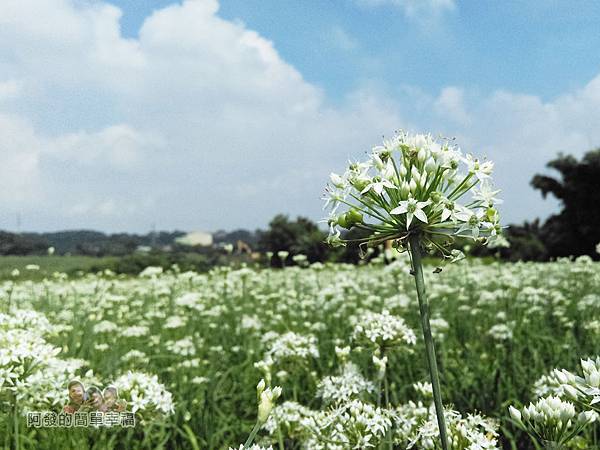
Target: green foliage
pixel 48 265
pixel 576 229
pixel 133 264
pixel 497 327
pixel 301 236
pixel 16 244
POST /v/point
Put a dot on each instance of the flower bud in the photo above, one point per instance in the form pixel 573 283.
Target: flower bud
pixel 403 171
pixel 587 417
pixel 342 220
pixel 381 365
pixel 561 377
pixel 336 180
pixel 430 165
pixel 436 197
pixel 359 183
pixel 491 214
pixel 405 189
pixel 414 173
pixel 514 413
pixel 260 387
pixel 265 405
pixel 353 217
pixel 571 391
pixel 412 186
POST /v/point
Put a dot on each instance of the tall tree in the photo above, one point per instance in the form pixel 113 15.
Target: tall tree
pixel 301 236
pixel 576 229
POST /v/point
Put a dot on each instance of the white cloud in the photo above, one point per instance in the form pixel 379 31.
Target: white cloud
pixel 200 123
pixel 451 103
pixel 194 109
pixel 19 162
pixel 522 133
pixel 416 9
pixel 341 39
pixel 9 89
pixel 120 146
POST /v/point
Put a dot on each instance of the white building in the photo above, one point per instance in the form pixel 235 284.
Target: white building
pixel 194 238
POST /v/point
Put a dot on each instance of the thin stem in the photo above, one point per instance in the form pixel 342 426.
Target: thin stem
pixel 16 422
pixel 250 439
pixel 415 251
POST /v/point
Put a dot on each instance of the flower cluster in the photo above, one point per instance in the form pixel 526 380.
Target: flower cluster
pixel 341 388
pixel 145 393
pixel 383 329
pixel 353 425
pixel 551 420
pixel 251 447
pixel 585 390
pixel 293 346
pixel 414 183
pixel 23 351
pixel 417 428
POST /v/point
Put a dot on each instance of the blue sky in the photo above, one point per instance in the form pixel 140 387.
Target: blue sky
pixel 540 47
pixel 201 114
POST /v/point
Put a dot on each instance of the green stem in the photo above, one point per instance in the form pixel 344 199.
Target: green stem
pixel 415 251
pixel 16 422
pixel 250 439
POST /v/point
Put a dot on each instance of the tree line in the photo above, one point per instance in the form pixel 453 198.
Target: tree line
pixel 573 231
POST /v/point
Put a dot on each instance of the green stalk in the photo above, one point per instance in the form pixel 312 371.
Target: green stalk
pixel 250 439
pixel 415 251
pixel 16 422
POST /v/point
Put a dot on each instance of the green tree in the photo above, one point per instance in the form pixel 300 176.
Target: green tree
pixel 576 229
pixel 301 236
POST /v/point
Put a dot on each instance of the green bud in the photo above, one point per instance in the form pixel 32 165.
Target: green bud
pixel 353 216
pixel 342 220
pixel 404 189
pixel 359 183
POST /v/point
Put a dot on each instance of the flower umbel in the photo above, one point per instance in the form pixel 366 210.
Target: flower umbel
pixel 414 184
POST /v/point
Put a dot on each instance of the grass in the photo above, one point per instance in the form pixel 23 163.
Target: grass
pixel 48 265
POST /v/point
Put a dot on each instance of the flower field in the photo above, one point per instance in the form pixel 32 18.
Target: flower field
pixel 186 351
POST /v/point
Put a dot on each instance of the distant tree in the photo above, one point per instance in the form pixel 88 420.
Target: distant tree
pixel 19 244
pixel 231 237
pixel 526 243
pixel 301 236
pixel 576 229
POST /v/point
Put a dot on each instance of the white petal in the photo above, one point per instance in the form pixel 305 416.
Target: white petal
pixel 409 217
pixel 400 209
pixel 421 215
pixel 464 216
pixel 445 214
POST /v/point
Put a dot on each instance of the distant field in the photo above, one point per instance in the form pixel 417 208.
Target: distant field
pixel 47 265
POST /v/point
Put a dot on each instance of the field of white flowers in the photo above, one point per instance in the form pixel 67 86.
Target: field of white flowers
pixel 187 350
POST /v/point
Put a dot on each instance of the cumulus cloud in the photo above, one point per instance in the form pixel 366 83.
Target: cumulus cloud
pixel 119 146
pixel 199 122
pixel 195 110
